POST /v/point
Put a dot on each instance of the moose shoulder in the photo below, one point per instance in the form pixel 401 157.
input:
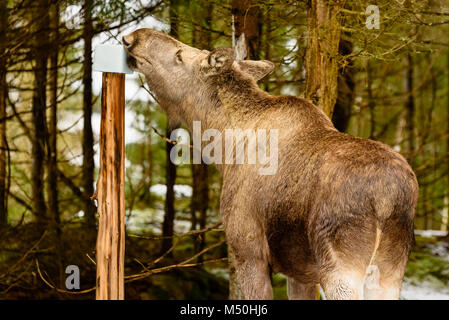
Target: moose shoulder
pixel 337 212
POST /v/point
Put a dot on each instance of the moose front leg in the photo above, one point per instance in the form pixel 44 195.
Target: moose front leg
pixel 251 259
pixel 297 290
pixel 253 277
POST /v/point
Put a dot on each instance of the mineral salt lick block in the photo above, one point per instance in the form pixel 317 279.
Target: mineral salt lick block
pixel 111 58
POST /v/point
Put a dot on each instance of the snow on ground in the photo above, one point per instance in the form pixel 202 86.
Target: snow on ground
pixel 152 219
pixel 423 291
pixel 440 250
pixel 427 290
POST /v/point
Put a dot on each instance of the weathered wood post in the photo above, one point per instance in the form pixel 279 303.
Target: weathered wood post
pixel 110 193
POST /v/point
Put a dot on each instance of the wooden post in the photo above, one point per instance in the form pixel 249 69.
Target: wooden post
pixel 111 190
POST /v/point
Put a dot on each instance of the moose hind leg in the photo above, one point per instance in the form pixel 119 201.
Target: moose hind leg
pixel 384 277
pixel 383 287
pixel 343 285
pixel 300 291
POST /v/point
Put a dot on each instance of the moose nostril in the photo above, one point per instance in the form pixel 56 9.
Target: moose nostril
pixel 126 43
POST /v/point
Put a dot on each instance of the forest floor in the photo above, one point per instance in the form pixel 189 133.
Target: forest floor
pixel 427 275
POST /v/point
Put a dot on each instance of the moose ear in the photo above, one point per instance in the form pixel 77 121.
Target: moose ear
pixel 220 59
pixel 256 69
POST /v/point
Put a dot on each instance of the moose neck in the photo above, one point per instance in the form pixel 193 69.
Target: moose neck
pixel 235 104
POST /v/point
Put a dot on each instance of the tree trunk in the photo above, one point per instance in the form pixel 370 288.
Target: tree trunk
pixel 170 175
pixel 321 59
pixel 410 107
pixel 52 164
pixel 194 204
pixel 88 137
pixel 40 48
pixel 247 19
pixel 346 86
pixel 445 224
pixel 169 208
pixel 150 162
pixel 3 93
pixel 371 104
pixel 431 209
pixel 200 199
pixel 266 45
pixel 410 131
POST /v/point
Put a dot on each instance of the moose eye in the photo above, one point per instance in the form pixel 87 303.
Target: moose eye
pixel 178 56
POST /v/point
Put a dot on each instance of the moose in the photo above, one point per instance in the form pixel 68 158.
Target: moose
pixel 339 210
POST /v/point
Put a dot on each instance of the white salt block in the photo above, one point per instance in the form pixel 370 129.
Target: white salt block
pixel 111 58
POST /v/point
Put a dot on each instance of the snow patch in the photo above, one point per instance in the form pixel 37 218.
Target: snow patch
pixel 181 190
pixel 425 291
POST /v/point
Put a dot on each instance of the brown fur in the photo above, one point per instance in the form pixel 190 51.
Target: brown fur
pixel 337 203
